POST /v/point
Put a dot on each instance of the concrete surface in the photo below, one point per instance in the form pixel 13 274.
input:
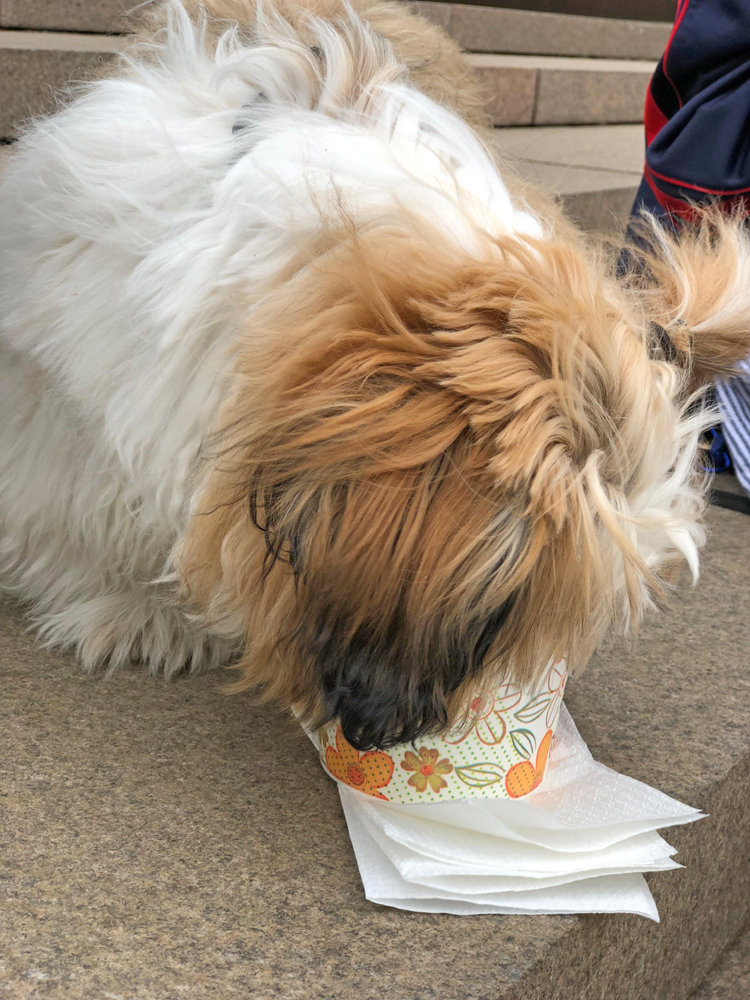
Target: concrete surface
pixel 510 89
pixel 595 169
pixel 603 210
pixel 476 28
pixel 728 482
pixel 521 89
pixel 613 148
pixel 491 29
pixel 35 68
pixel 730 977
pixel 58 41
pixel 565 90
pixel 63 15
pixel 169 842
pixel 644 10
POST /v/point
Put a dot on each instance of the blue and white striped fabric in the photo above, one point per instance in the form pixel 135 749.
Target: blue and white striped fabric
pixel 734 403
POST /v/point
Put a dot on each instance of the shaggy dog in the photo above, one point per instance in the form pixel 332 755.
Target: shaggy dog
pixel 295 371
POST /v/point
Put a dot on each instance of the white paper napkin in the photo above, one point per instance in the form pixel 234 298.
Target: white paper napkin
pixel 575 845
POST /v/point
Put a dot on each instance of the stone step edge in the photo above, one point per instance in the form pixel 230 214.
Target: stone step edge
pixel 60 41
pixel 66 41
pixel 555 90
pixel 497 29
pixel 489 60
pixel 475 27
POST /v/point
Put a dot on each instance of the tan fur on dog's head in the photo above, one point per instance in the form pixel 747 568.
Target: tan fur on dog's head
pixel 436 472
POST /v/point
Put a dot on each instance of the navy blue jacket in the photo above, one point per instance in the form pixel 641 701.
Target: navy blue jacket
pixel 697 114
pixel 697 121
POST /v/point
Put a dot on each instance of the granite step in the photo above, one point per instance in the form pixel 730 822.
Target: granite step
pixel 35 66
pixel 594 169
pixel 546 28
pixel 493 29
pixel 561 90
pixel 168 840
pixel 64 15
pixel 730 977
pixel 522 89
pixel 643 10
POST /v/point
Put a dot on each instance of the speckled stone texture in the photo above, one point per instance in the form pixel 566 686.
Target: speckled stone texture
pixel 549 90
pixel 642 10
pixel 64 15
pixel 672 710
pixel 492 29
pixel 166 841
pixel 33 81
pixel 510 93
pixel 730 977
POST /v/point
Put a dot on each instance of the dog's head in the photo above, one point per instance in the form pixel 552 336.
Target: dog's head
pixel 435 471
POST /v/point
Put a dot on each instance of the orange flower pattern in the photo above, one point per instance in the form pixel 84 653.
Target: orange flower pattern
pixel 504 753
pixel 428 770
pixel 367 772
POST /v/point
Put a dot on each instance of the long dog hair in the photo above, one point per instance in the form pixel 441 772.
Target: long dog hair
pixel 297 370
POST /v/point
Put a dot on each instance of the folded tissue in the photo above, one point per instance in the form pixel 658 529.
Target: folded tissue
pixel 512 815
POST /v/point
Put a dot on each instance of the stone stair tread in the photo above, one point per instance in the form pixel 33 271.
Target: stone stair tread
pixel 243 879
pixel 568 179
pixel 566 63
pixel 59 41
pixel 475 27
pixel 82 42
pixel 642 10
pixel 64 15
pixel 522 89
pixel 617 148
pixel 600 32
pixel 728 483
pixel 495 29
pixel 604 210
pixel 595 169
pixel 556 90
pixel 35 67
pixel 730 977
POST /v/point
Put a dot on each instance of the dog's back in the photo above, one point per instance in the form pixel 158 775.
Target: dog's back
pixel 124 266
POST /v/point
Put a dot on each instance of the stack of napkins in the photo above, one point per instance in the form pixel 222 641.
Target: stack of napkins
pixel 575 844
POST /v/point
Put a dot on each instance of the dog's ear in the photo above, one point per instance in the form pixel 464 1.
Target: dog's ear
pixel 395 607
pixel 369 598
pixel 696 292
pixel 384 628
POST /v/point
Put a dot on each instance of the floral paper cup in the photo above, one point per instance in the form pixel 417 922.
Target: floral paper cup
pixel 502 755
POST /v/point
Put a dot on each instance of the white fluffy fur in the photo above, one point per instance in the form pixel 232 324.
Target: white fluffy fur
pixel 136 228
pixel 137 231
